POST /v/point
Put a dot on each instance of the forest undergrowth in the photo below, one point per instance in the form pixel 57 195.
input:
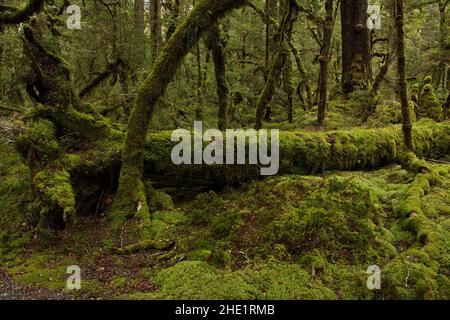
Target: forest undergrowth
pixel 291 236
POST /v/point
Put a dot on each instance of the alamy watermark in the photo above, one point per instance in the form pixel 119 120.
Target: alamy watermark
pixel 374 19
pixel 74 19
pixel 374 280
pixel 74 280
pixel 232 150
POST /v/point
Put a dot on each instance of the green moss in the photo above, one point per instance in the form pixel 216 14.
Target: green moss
pixel 198 280
pixel 406 277
pixel 118 282
pixel 431 106
pixel 36 270
pixel 285 282
pixel 14 201
pixel 56 190
pixel 199 255
pixel 225 223
pixel 38 143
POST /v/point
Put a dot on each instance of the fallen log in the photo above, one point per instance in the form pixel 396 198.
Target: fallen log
pixel 301 152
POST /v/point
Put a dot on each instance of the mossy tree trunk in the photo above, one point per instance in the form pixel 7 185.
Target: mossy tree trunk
pixel 280 59
pixel 441 79
pixel 324 56
pixel 217 44
pixel 175 7
pixel 138 33
pixel 271 13
pixel 402 84
pixel 130 210
pixel 59 125
pixel 155 28
pixel 356 68
pixel 288 87
pixel 199 106
pixel 304 78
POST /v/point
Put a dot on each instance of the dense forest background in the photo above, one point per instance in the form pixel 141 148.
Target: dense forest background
pixel 91 91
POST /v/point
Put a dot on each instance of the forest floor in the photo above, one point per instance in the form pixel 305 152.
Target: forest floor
pixel 285 237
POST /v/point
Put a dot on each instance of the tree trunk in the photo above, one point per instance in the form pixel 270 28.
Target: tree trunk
pixel 217 47
pixel 174 15
pixel 304 78
pixel 324 56
pixel 155 28
pixel 441 79
pixel 280 59
pixel 402 85
pixel 356 69
pixel 138 33
pixel 200 98
pixel 271 12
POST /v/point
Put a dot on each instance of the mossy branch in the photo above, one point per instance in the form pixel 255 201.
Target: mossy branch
pixel 16 16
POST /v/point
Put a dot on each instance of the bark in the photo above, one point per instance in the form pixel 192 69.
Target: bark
pixel 138 33
pixel 288 87
pixel 441 79
pixel 324 57
pixel 174 15
pixel 57 127
pixel 271 13
pixel 304 77
pixel 402 84
pixel 155 28
pixel 280 60
pixel 200 97
pixel 130 196
pixel 216 45
pixel 356 69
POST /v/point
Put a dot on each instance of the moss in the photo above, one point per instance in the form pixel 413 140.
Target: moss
pixel 431 106
pixel 14 204
pixel 303 152
pixel 56 190
pixel 428 80
pixel 38 143
pixel 223 224
pixel 199 255
pixel 36 270
pixel 156 199
pixel 407 278
pixel 285 282
pixel 198 280
pixel 118 282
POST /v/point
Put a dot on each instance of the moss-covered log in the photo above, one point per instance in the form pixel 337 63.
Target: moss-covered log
pixel 303 152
